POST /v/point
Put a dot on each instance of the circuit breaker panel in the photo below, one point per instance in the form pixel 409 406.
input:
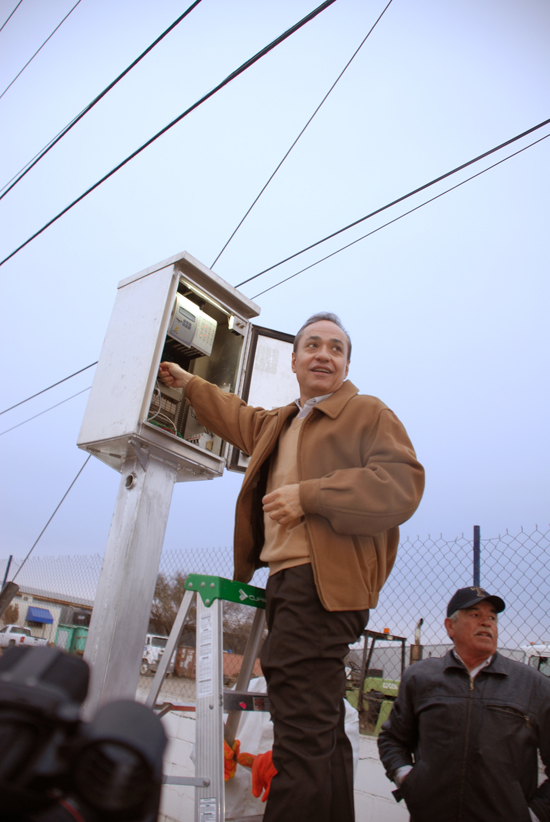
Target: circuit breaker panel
pixel 201 338
pixel 181 312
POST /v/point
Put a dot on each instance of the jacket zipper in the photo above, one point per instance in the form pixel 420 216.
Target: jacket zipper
pixel 261 461
pixel 466 735
pixel 299 471
pixel 512 712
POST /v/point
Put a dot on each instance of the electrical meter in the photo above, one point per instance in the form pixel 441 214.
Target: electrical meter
pixel 192 327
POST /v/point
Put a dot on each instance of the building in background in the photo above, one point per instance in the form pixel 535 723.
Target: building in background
pixel 60 619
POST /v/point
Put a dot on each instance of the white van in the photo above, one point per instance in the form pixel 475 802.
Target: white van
pixel 152 652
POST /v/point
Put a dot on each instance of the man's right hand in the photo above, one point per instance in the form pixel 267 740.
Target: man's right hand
pixel 173 375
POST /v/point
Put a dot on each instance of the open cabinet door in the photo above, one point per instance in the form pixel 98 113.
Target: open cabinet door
pixel 269 381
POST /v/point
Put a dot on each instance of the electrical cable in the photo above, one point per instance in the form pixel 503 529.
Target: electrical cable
pixel 312 265
pixel 333 86
pixel 166 128
pixel 52 516
pixel 160 415
pixel 44 412
pixel 40 49
pixel 36 159
pixel 431 200
pixel 11 15
pixel 17 404
pixel 156 389
pixel 328 256
pixel 394 202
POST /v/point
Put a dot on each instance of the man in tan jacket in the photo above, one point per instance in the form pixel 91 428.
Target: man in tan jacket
pixel 330 479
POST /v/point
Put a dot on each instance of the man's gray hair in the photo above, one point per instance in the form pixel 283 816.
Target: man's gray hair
pixel 328 317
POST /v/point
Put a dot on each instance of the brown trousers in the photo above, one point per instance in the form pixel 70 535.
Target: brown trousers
pixel 303 663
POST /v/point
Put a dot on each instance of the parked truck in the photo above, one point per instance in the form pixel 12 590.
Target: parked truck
pixel 152 652
pixel 537 656
pixel 16 635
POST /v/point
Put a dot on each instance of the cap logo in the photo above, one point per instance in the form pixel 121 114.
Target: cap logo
pixel 479 591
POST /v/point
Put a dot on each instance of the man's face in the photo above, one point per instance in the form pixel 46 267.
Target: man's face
pixel 321 361
pixel 475 632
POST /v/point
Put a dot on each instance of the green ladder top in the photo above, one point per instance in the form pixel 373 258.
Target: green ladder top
pixel 211 588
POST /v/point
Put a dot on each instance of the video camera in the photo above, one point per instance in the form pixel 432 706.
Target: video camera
pixel 54 767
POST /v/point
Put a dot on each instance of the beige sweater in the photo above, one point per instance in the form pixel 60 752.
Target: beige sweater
pixel 285 546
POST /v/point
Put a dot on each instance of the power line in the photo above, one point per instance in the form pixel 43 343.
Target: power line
pixel 356 52
pixel 11 15
pixel 416 208
pixel 36 159
pixel 52 516
pixel 17 404
pixel 44 412
pixel 40 49
pixel 312 265
pixel 203 99
pixel 394 202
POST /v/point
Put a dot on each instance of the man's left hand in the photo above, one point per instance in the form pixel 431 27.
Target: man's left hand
pixel 283 505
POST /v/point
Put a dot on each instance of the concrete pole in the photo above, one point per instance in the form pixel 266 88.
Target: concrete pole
pixel 120 619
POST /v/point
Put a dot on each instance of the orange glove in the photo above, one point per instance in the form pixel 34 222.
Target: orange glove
pixel 246 759
pixel 263 771
pixel 230 759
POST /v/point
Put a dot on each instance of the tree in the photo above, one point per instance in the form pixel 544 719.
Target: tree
pixel 169 593
pixel 11 614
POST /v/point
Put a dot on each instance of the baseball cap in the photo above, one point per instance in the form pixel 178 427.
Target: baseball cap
pixel 466 597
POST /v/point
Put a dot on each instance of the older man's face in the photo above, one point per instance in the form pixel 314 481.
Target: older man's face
pixel 475 631
pixel 321 362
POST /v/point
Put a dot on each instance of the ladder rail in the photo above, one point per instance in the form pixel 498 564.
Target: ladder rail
pixel 209 594
pixel 247 667
pixel 209 759
pixel 171 645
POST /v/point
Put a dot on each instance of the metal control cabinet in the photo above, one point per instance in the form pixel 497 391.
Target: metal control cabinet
pixel 129 413
pixel 182 312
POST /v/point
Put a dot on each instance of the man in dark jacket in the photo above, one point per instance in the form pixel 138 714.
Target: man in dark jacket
pixel 463 736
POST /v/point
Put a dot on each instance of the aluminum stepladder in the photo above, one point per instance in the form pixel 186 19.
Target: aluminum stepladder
pixel 211 699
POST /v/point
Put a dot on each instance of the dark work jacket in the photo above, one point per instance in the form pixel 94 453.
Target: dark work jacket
pixel 474 742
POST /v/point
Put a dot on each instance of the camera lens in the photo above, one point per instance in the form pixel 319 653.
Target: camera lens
pixel 117 769
pixel 111 777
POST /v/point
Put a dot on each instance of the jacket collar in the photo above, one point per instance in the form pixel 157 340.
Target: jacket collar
pixel 335 404
pixel 496 666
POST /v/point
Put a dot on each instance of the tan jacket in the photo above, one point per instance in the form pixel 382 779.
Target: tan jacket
pixel 359 480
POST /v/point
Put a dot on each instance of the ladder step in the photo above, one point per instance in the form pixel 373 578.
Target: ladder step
pixel 257 818
pixel 194 781
pixel 245 701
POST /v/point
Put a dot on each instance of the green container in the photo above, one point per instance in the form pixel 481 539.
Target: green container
pixel 64 637
pixel 79 642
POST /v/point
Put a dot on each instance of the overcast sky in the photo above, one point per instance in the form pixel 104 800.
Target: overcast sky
pixel 447 308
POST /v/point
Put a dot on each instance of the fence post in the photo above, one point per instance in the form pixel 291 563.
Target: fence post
pixel 7 571
pixel 477 557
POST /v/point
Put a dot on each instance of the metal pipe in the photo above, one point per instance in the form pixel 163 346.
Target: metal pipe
pixel 477 557
pixel 7 571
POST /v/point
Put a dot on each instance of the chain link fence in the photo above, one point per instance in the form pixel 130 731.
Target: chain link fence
pixel 410 612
